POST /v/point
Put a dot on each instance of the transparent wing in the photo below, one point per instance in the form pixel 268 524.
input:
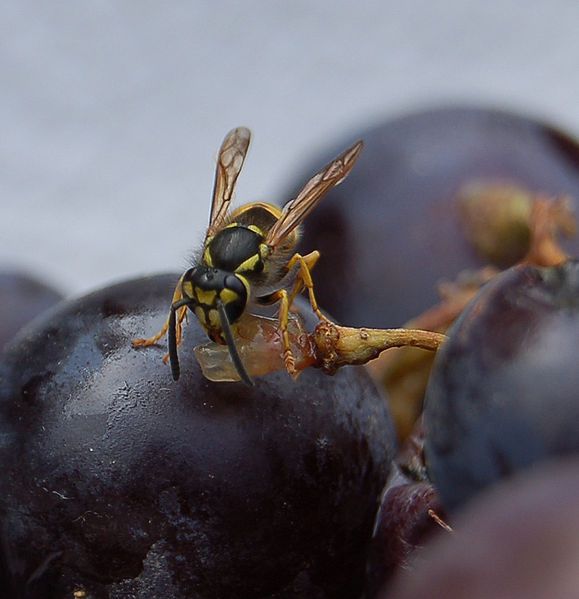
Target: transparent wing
pixel 296 210
pixel 229 163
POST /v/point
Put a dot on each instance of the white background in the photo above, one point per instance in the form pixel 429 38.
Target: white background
pixel 111 111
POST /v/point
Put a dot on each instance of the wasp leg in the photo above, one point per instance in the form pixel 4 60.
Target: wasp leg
pixel 177 297
pixel 282 297
pixel 304 280
pixel 151 340
pixel 288 356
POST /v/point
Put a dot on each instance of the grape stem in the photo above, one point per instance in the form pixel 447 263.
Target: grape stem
pixel 337 346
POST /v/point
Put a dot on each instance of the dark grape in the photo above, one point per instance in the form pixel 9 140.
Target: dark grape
pixel 403 526
pixel 22 297
pixel 392 230
pixel 121 482
pixel 503 393
pixel 518 541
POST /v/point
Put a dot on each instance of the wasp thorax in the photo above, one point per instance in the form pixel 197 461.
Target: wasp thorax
pixel 207 288
pixel 236 248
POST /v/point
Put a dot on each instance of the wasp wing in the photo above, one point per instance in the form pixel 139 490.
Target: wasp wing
pixel 229 163
pixel 296 210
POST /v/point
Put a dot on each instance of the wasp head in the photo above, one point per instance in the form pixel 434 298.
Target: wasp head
pixel 208 288
pixel 218 298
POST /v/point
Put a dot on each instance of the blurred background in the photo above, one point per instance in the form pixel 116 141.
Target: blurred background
pixel 112 112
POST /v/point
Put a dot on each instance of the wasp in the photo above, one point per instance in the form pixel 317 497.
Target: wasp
pixel 248 257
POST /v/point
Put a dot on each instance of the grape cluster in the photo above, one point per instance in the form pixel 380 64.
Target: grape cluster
pixel 483 201
pixel 117 481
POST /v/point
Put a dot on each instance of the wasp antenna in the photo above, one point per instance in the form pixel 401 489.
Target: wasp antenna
pixel 172 342
pixel 172 338
pixel 235 357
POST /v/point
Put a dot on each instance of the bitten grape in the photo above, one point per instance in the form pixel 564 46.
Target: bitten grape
pixel 118 481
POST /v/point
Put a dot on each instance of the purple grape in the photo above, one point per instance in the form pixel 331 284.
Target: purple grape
pixel 503 393
pixel 518 541
pixel 403 526
pixel 22 297
pixel 124 483
pixel 392 230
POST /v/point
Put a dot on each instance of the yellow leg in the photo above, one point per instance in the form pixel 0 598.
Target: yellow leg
pixel 151 340
pixel 304 279
pixel 181 313
pixel 281 296
pixel 288 356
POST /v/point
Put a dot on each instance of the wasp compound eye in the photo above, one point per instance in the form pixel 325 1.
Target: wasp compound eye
pixel 236 285
pixel 234 296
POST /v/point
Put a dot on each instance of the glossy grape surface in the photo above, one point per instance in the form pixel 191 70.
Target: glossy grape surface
pixel 119 481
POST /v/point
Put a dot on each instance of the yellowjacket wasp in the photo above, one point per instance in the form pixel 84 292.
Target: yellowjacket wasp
pixel 248 257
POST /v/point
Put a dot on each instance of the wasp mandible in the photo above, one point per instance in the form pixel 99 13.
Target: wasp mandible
pixel 248 257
